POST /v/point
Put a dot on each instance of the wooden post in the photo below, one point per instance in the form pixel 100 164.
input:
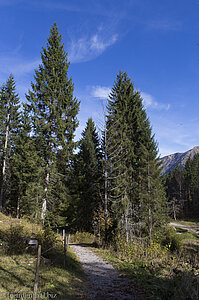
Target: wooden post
pixel 64 242
pixel 63 234
pixel 68 240
pixel 37 273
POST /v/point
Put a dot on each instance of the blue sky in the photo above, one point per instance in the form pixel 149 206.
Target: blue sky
pixel 155 42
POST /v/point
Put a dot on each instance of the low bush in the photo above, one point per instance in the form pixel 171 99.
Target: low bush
pixel 47 238
pixel 172 240
pixel 14 238
pixel 82 237
pixel 139 249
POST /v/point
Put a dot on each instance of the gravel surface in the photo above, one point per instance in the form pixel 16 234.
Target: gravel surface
pixel 105 282
pixel 184 227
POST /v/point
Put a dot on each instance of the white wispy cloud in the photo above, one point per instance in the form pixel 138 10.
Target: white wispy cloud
pixel 150 102
pixel 99 45
pixel 22 69
pixel 174 133
pixel 175 140
pixel 87 48
pixel 164 25
pixel 110 9
pixel 16 65
pixel 58 5
pixel 101 92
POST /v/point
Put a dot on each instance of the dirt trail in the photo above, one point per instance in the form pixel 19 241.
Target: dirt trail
pixel 105 282
pixel 184 227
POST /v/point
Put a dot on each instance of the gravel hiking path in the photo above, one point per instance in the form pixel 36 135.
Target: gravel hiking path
pixel 104 281
pixel 184 227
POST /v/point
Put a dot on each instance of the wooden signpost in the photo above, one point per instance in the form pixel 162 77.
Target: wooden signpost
pixel 37 273
pixel 64 242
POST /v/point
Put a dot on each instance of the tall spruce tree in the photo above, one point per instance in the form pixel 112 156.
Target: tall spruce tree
pixel 9 121
pixel 195 184
pixel 89 170
pixel 175 192
pixel 135 188
pixel 187 187
pixel 54 109
pixel 26 171
pixel 118 150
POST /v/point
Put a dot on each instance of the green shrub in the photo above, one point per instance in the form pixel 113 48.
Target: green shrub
pixel 139 249
pixel 172 240
pixel 82 237
pixel 15 239
pixel 46 238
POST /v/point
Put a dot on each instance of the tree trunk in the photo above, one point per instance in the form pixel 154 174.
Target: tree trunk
pixel 150 225
pixel 5 156
pixel 44 204
pixel 149 207
pixel 18 208
pixel 174 211
pixel 127 223
pixel 106 189
pixel 37 204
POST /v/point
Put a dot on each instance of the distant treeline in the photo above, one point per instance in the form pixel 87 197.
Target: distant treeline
pixel 182 187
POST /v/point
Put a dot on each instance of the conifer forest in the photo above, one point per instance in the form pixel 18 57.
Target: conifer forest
pixel 48 176
pixel 109 183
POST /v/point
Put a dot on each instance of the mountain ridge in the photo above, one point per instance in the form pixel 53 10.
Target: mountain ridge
pixel 180 158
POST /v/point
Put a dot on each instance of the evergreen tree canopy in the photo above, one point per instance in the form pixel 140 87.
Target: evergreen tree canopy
pixel 26 171
pixel 88 168
pixel 9 121
pixel 183 189
pixel 135 188
pixel 9 112
pixel 53 107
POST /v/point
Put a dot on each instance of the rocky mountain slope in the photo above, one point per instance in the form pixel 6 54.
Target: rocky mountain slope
pixel 169 161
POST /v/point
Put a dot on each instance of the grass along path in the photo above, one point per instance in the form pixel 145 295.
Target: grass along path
pixel 67 283
pixel 53 279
